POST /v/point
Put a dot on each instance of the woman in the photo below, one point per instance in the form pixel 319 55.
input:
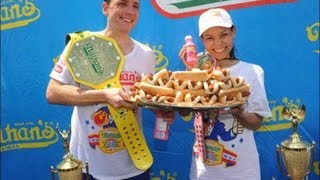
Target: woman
pixel 95 137
pixel 230 148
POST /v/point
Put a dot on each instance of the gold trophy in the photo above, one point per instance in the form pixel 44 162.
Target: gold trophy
pixel 297 155
pixel 69 168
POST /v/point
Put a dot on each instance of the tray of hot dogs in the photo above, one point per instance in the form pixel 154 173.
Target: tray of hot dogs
pixel 195 90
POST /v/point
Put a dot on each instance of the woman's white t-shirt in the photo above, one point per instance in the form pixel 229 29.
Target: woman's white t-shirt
pixel 232 154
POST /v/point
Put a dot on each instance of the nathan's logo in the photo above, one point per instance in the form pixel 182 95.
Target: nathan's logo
pixel 161 60
pixel 184 8
pixel 23 135
pixel 277 121
pixel 18 13
pixel 89 51
pixel 129 78
pixel 313 34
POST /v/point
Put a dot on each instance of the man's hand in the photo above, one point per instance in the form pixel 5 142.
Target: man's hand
pixel 118 98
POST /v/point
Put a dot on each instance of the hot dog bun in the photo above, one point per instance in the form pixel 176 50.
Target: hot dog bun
pixel 200 92
pixel 180 84
pixel 243 88
pixel 225 84
pixel 162 74
pixel 154 90
pixel 237 81
pixel 194 75
pixel 220 75
pixel 211 87
pixel 148 79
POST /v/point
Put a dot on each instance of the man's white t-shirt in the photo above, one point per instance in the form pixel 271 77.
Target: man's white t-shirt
pixel 232 154
pixel 94 136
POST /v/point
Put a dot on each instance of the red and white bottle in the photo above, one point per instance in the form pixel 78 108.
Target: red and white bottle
pixel 191 52
pixel 161 129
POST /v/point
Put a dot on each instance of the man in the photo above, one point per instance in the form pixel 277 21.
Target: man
pixel 107 157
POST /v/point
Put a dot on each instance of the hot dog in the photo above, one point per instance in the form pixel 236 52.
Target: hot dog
pixel 227 100
pixel 211 87
pixel 162 74
pixel 190 75
pixel 180 85
pixel 154 90
pixel 243 88
pixel 165 83
pixel 179 98
pixel 200 92
pixel 225 84
pixel 148 79
pixel 220 75
pixel 208 101
pixel 237 81
pixel 192 99
pixel 195 85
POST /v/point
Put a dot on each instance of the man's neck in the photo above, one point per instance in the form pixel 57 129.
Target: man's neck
pixel 123 40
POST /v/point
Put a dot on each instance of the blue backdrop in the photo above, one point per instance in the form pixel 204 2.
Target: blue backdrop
pixel 280 35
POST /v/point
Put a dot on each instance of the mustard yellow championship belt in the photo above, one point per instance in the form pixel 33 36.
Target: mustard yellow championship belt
pixel 96 61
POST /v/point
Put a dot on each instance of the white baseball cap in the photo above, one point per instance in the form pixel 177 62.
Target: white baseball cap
pixel 213 18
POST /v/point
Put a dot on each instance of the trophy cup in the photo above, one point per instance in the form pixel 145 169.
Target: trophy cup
pixel 69 168
pixel 297 155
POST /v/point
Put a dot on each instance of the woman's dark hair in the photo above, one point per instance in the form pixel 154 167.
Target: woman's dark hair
pixel 232 52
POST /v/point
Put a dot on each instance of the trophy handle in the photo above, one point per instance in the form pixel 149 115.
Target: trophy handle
pixel 312 156
pixel 52 172
pixel 279 161
pixel 87 171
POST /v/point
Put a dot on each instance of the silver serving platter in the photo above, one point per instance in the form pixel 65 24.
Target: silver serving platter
pixel 169 107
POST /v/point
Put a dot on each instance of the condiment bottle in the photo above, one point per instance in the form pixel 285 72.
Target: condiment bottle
pixel 191 52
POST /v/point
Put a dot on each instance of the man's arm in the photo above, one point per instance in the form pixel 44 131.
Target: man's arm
pixel 64 94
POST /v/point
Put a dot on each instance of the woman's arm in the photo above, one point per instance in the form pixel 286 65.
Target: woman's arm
pixel 250 121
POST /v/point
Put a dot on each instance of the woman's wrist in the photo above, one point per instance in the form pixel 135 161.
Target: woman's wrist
pixel 239 115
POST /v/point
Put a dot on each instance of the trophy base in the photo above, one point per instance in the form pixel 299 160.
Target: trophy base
pixel 71 175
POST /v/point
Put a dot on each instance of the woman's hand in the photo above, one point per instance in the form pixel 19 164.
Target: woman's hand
pixel 184 113
pixel 233 110
pixel 248 120
pixel 167 116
